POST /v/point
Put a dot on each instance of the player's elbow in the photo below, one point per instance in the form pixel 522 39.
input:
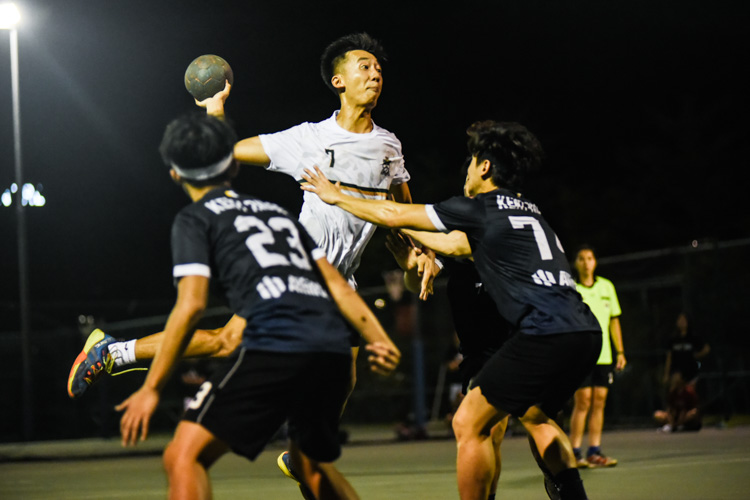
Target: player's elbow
pixel 192 308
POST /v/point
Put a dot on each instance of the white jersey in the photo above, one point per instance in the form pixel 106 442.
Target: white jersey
pixel 365 164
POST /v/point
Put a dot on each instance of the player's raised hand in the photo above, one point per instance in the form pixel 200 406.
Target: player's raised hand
pixel 383 358
pixel 138 410
pixel 319 184
pixel 215 105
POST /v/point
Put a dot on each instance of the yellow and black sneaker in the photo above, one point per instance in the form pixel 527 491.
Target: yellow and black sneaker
pixel 93 361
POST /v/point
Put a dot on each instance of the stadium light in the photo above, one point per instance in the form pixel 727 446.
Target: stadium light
pixel 9 19
pixel 9 16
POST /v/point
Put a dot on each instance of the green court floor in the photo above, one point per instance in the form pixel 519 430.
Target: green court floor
pixel 710 464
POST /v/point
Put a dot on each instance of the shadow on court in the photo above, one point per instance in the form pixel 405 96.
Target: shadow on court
pixel 710 464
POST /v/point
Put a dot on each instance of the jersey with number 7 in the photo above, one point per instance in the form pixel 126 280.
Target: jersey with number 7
pixel 520 260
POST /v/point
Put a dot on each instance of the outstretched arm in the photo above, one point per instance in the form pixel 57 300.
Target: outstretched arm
pixel 453 244
pixel 384 213
pixel 384 355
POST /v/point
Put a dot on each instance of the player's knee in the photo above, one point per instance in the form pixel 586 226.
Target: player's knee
pixel 463 425
pixel 599 403
pixel 582 405
pixel 172 459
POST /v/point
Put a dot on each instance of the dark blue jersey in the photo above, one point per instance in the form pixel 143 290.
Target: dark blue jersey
pixel 264 261
pixel 520 261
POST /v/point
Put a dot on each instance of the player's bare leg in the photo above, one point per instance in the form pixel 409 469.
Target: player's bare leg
pixel 217 343
pixel 187 459
pixel 103 354
pixel 589 408
pixel 477 463
pixel 498 433
pixel 323 480
pixel 555 451
pixel 596 418
pixel 581 407
pixel 552 443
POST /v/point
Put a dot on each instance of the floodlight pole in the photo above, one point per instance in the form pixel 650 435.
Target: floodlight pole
pixel 23 278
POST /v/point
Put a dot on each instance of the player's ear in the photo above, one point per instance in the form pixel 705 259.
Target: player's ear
pixel 338 82
pixel 175 176
pixel 485 168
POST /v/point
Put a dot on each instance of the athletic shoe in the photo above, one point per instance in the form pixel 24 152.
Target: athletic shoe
pixel 598 460
pixel 582 463
pixel 90 364
pixel 285 464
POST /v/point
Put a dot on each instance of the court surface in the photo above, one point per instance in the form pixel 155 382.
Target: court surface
pixel 710 464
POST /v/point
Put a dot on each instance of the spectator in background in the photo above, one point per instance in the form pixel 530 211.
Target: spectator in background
pixel 589 400
pixel 681 368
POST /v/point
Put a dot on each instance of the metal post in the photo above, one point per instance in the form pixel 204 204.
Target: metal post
pixel 23 279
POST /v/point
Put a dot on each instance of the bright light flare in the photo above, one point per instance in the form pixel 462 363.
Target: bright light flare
pixel 9 16
pixel 31 195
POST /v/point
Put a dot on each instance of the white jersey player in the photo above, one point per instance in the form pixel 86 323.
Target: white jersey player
pixel 366 165
pixel 365 158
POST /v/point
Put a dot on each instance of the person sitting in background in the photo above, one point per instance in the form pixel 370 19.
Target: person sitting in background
pixel 681 368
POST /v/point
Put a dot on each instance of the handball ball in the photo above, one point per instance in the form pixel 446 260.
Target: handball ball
pixel 207 75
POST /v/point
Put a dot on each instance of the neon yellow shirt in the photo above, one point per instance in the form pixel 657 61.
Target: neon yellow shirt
pixel 602 300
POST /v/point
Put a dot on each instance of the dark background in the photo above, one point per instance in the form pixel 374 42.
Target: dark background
pixel 641 107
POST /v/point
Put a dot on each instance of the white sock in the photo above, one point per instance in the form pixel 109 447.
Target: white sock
pixel 123 352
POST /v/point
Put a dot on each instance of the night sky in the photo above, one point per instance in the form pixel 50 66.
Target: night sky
pixel 641 106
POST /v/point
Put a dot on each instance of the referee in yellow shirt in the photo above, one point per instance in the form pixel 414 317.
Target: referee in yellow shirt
pixel 590 399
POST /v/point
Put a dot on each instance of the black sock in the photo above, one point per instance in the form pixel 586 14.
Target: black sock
pixel 491 497
pixel 570 484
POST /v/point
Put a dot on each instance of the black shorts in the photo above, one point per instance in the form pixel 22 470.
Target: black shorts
pixel 538 370
pixel 469 367
pixel 247 400
pixel 600 376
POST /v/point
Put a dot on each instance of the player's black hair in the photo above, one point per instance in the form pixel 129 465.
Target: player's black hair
pixel 586 246
pixel 512 150
pixel 336 51
pixel 196 140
